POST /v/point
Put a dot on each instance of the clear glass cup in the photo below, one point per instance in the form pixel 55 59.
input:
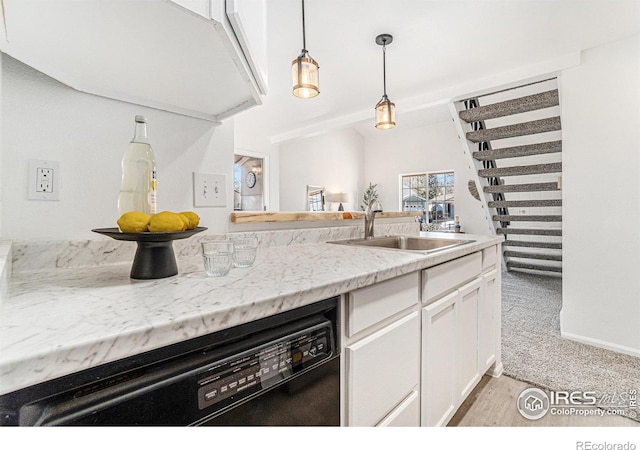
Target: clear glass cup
pixel 244 251
pixel 217 257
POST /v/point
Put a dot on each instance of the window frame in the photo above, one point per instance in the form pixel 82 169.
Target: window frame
pixel 426 174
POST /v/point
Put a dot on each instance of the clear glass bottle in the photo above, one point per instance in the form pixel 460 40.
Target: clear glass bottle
pixel 138 189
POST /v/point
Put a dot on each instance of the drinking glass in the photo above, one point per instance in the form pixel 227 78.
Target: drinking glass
pixel 217 257
pixel 244 251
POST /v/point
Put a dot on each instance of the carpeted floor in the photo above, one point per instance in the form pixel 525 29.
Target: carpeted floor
pixel 533 351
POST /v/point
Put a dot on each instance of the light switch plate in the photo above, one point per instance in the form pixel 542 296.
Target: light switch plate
pixel 209 189
pixel 44 180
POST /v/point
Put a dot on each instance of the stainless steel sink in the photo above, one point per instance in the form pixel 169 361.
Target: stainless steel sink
pixel 407 243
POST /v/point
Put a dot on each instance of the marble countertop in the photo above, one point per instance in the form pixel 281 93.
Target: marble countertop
pixel 59 321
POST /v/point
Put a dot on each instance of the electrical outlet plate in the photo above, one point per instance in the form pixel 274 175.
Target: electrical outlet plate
pixel 209 189
pixel 44 180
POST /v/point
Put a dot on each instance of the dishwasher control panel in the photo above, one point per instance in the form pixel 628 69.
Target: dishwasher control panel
pixel 244 374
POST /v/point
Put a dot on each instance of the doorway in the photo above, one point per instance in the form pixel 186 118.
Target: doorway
pixel 249 182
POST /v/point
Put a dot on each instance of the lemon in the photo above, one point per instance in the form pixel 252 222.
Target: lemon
pixel 185 220
pixel 133 222
pixel 194 219
pixel 166 222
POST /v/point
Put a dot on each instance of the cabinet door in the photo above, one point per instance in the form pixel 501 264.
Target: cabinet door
pixel 487 320
pixel 407 414
pixel 468 368
pixel 439 344
pixel 382 369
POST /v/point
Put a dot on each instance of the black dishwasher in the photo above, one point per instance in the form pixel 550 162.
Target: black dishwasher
pixel 280 370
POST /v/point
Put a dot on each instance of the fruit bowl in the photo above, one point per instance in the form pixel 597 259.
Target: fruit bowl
pixel 154 256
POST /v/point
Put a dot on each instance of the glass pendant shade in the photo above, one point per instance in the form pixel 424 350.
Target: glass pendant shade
pixel 385 114
pixel 305 74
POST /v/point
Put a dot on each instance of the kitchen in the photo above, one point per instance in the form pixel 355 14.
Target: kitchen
pixel 71 125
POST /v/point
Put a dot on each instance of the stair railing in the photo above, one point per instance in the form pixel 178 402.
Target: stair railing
pixel 488 164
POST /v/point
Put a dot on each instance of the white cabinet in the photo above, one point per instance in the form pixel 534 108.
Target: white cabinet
pixel 382 353
pixel 412 359
pixel 407 414
pixel 439 345
pixel 382 369
pixel 467 337
pixel 182 56
pixel 489 320
pixel 460 332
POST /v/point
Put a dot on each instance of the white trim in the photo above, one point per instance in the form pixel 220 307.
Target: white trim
pixel 601 344
pixel 495 371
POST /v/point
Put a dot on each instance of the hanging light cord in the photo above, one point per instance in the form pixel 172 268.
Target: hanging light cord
pixel 384 67
pixel 304 39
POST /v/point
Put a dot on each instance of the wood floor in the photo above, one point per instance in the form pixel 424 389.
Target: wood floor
pixel 493 404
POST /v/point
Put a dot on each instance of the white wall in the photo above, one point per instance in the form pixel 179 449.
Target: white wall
pixel 43 119
pixel 601 197
pixel 334 160
pixel 425 149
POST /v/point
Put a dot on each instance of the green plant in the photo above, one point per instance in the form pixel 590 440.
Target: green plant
pixel 370 195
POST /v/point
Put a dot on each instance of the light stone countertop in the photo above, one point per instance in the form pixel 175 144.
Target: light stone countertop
pixel 59 321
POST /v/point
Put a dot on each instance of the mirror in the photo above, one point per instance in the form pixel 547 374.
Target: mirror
pixel 315 198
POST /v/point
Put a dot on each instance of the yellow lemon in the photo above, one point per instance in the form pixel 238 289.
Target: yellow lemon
pixel 133 222
pixel 194 219
pixel 185 220
pixel 166 222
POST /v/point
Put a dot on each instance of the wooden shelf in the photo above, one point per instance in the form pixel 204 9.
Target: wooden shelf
pixel 296 216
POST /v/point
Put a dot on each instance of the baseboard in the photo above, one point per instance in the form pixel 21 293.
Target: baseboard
pixel 495 370
pixel 602 344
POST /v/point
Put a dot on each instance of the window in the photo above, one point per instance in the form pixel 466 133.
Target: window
pixel 431 192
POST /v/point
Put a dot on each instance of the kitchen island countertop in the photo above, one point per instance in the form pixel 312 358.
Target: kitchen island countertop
pixel 61 321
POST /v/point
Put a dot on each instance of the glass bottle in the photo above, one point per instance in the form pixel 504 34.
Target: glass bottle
pixel 138 189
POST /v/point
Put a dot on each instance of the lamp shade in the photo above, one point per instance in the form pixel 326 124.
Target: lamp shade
pixel 306 76
pixel 385 114
pixel 341 197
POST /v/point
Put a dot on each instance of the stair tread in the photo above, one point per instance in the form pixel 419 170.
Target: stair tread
pixel 518 151
pixel 521 265
pixel 529 255
pixel 524 203
pixel 527 218
pixel 530 231
pixel 532 244
pixel 527 187
pixel 509 107
pixel 530 169
pixel 519 129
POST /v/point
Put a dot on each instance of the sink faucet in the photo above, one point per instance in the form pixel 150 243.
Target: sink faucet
pixel 373 207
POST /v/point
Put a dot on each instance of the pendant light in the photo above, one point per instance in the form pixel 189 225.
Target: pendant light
pixel 304 70
pixel 385 109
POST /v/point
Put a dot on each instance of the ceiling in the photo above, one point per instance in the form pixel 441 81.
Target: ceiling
pixel 440 48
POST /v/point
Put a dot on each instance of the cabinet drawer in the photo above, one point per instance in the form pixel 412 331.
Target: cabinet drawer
pixel 489 258
pixel 382 369
pixel 372 304
pixel 445 278
pixel 407 414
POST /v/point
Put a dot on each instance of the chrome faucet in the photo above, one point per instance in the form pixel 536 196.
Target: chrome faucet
pixel 373 207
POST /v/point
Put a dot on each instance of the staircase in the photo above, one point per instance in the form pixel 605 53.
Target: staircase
pixel 514 138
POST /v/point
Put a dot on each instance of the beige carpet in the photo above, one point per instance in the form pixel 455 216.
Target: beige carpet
pixel 533 351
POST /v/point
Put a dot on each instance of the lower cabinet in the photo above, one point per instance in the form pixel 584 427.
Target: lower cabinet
pixel 382 370
pixel 415 347
pixel 450 367
pixel 439 347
